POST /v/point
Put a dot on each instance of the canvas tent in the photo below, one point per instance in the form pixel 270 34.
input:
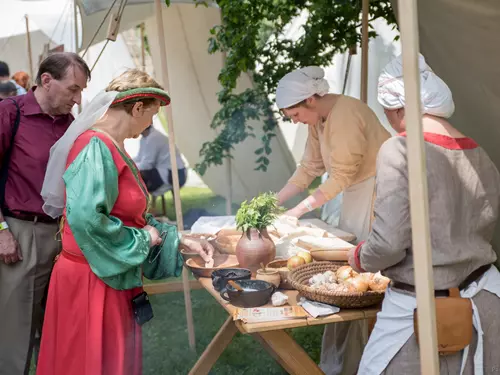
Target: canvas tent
pixel 193 87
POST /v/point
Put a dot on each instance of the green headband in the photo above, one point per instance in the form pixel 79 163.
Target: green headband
pixel 146 92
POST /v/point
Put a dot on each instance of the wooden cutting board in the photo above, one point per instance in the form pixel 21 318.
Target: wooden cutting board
pixel 346 236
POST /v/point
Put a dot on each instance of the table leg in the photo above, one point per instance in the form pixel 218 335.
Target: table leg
pixel 213 351
pixel 288 353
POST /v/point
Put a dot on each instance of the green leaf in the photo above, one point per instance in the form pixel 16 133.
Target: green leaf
pixel 253 33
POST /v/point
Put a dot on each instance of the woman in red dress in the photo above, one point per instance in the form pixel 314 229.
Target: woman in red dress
pixel 107 237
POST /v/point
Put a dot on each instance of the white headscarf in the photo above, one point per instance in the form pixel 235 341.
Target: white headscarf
pixel 300 85
pixel 436 96
pixel 53 189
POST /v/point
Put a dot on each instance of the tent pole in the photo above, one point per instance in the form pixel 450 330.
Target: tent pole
pixel 143 48
pixel 175 173
pixel 364 50
pixel 28 39
pixel 75 15
pixel 228 163
pixel 419 202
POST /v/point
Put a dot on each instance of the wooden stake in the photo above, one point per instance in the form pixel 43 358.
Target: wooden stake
pixel 419 203
pixel 229 197
pixel 75 14
pixel 175 172
pixel 364 51
pixel 143 48
pixel 28 39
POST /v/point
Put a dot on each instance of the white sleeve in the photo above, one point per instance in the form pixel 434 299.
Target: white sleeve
pixel 146 158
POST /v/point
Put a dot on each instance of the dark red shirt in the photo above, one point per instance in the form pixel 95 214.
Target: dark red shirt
pixel 36 134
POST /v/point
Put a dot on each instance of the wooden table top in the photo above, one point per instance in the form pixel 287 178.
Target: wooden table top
pixel 293 297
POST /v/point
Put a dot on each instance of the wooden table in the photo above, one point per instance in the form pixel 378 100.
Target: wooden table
pixel 271 335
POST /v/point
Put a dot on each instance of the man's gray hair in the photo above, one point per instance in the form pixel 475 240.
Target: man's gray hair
pixel 58 64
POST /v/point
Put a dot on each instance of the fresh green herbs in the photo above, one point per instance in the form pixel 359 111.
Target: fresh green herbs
pixel 259 213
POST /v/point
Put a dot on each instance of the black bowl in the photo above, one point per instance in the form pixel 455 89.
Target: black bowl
pixel 255 293
pixel 221 277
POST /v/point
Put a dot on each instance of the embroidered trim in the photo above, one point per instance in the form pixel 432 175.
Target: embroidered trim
pixel 357 260
pixel 161 98
pixel 450 143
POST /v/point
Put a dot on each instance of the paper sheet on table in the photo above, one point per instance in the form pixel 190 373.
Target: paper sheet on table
pixel 269 314
pixel 213 224
pixel 316 309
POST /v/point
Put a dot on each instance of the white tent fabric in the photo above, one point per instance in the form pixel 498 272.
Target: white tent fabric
pixel 13 40
pixel 193 85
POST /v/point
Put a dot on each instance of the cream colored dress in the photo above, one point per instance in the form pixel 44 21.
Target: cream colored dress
pixel 345 146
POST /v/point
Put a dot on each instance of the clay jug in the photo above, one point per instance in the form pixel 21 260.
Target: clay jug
pixel 255 247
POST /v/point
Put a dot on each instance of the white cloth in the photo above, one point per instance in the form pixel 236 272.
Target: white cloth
pixel 395 326
pixel 53 189
pixel 299 85
pixel 435 94
pixel 343 343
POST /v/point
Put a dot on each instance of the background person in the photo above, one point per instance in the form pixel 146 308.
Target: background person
pixel 28 243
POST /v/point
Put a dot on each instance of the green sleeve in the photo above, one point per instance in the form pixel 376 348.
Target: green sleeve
pixel 167 260
pixel 115 252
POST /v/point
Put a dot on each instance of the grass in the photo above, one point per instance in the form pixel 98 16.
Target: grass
pixel 166 349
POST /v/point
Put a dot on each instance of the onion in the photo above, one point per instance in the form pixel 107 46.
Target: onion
pixel 345 272
pixel 379 283
pixel 295 262
pixel 368 276
pixel 359 283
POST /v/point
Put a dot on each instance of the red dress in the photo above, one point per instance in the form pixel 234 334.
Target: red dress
pixel 89 327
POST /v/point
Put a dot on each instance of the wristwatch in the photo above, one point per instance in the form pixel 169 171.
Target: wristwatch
pixel 4 225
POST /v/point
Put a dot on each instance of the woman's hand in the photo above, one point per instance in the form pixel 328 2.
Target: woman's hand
pixel 154 235
pixel 295 212
pixel 202 247
pixel 351 258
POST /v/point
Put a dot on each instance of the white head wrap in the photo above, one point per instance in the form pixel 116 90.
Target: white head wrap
pixel 299 85
pixel 436 96
pixel 53 190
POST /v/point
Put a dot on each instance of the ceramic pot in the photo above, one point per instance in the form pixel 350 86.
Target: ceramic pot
pixel 269 275
pixel 255 293
pixel 255 247
pixel 221 277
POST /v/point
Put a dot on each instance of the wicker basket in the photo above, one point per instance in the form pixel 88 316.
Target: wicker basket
pixel 299 278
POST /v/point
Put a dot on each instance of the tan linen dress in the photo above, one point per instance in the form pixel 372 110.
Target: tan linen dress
pixel 345 146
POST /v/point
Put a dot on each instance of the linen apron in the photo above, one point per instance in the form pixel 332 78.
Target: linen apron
pixel 394 327
pixel 343 343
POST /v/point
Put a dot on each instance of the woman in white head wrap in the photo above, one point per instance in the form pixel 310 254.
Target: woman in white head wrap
pixel 344 138
pixel 464 198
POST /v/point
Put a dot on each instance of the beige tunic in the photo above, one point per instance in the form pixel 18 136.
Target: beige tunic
pixel 345 146
pixel 464 198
